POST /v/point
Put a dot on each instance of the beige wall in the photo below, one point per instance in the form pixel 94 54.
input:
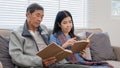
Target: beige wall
pixel 100 16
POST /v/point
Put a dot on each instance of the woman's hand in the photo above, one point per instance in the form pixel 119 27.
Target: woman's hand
pixel 49 61
pixel 69 42
pixel 83 54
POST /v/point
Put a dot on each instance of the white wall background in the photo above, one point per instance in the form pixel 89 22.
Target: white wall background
pixel 100 16
pixel 13 13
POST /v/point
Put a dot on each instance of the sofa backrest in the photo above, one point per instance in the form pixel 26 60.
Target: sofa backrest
pixel 83 30
pixel 5 32
pixel 88 30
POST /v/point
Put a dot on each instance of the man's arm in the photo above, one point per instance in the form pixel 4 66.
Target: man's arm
pixel 16 51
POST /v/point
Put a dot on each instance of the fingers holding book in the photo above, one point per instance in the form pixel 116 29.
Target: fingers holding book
pixel 69 42
pixel 49 61
pixel 83 53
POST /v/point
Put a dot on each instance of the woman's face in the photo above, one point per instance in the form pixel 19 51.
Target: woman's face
pixel 66 25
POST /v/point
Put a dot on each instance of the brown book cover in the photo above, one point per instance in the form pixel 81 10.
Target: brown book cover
pixel 79 46
pixel 54 50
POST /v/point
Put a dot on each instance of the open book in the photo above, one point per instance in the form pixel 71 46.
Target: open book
pixel 54 50
pixel 81 45
pixel 60 53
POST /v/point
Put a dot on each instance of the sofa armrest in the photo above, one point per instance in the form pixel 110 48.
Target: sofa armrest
pixel 1 65
pixel 116 50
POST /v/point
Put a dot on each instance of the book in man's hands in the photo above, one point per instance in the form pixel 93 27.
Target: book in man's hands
pixel 55 50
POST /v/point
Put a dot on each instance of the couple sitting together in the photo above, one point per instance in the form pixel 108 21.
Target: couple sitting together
pixel 33 37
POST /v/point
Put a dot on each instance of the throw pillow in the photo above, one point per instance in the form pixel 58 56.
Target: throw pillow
pixel 4 53
pixel 100 47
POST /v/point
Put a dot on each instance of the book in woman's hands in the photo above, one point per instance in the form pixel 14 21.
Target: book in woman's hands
pixel 54 50
pixel 81 45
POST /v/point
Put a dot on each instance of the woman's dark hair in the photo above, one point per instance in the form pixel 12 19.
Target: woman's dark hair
pixel 59 17
pixel 31 8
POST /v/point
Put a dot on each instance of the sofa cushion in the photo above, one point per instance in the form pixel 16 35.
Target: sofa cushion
pixel 100 47
pixel 4 53
pixel 115 64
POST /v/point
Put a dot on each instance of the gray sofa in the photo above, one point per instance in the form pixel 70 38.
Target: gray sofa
pixel 116 49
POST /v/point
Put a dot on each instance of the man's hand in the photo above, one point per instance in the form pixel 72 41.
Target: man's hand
pixel 49 61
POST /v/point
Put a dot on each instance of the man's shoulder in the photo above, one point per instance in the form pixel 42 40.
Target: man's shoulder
pixel 44 29
pixel 19 30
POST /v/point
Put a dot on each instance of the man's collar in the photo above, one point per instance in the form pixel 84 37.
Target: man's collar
pixel 26 31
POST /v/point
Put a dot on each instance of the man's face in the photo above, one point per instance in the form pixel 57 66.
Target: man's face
pixel 34 19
